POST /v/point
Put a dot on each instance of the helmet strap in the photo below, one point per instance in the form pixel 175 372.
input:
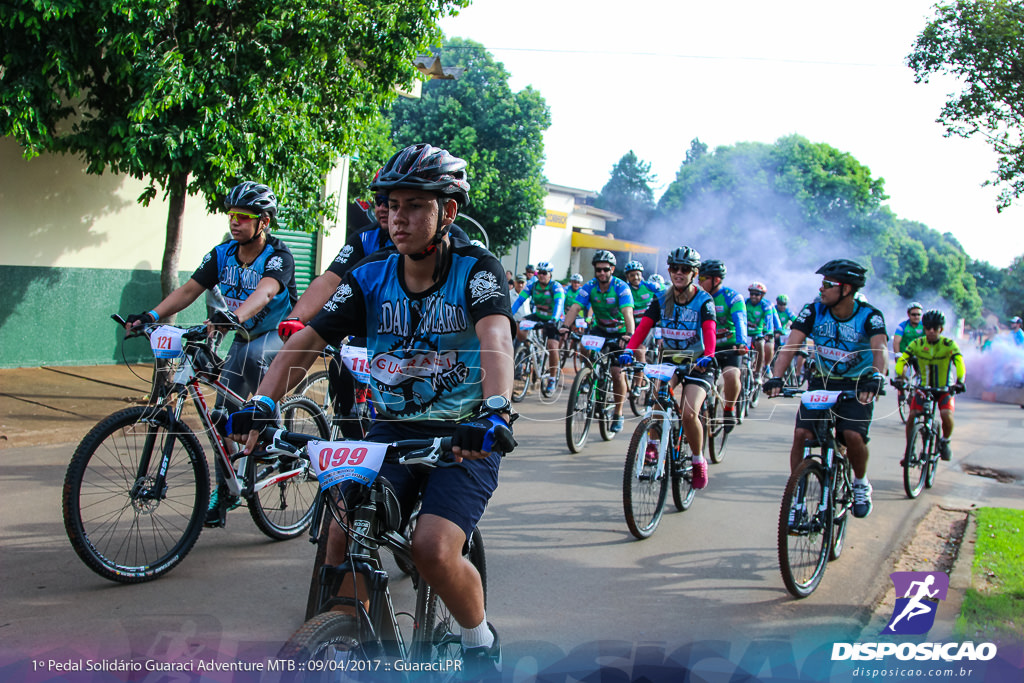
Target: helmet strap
pixel 255 235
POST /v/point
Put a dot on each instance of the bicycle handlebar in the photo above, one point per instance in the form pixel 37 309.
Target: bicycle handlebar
pixel 433 452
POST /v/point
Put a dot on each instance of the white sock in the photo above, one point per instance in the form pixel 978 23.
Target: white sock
pixel 479 636
pixel 698 458
pixel 858 482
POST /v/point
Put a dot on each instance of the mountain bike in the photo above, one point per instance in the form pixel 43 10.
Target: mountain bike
pixel 658 454
pixel 818 498
pixel 137 488
pixel 592 396
pixel 921 457
pixel 530 364
pixel 352 494
pixel 903 395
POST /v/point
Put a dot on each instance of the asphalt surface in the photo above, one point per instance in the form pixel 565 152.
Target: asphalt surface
pixel 45 411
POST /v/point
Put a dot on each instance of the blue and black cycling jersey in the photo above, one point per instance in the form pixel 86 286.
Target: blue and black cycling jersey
pixel 236 281
pixel 842 347
pixel 423 351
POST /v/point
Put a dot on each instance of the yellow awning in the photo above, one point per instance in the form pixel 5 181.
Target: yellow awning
pixel 582 240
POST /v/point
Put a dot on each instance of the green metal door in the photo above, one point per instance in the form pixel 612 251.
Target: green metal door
pixel 303 246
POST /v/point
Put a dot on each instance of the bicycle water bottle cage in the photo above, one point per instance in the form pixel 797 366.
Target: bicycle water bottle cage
pixel 820 399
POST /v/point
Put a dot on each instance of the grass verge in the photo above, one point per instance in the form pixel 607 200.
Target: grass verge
pixel 993 608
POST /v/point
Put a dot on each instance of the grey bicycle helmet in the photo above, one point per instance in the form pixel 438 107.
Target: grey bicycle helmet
pixel 576 277
pixel 603 255
pixel 844 271
pixel 253 196
pixel 425 167
pixel 712 268
pixel 913 305
pixel 933 319
pixel 684 256
pixel 634 265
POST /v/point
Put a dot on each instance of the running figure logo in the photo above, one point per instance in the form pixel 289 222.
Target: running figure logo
pixel 914 613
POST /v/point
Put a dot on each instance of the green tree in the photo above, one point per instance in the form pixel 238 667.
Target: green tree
pixel 697 150
pixel 498 132
pixel 628 193
pixel 193 97
pixel 989 281
pixel 1013 288
pixel 981 43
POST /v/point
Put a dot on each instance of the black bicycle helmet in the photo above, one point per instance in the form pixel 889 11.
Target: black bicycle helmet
pixel 603 255
pixel 712 268
pixel 252 196
pixel 684 256
pixel 844 271
pixel 933 319
pixel 425 167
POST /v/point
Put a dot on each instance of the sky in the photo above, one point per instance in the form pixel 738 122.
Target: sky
pixel 650 76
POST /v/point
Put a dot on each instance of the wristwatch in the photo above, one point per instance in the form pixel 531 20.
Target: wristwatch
pixel 497 405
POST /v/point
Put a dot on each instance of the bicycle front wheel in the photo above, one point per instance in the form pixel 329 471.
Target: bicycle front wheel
pixel 638 395
pixel 643 490
pixel 315 387
pixel 437 635
pixel 805 529
pixel 903 401
pixel 123 523
pixel 578 413
pixel 915 461
pixel 283 510
pixel 331 638
pixel 604 411
pixel 842 502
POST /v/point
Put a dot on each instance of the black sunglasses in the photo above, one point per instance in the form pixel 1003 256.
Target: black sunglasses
pixel 680 269
pixel 602 270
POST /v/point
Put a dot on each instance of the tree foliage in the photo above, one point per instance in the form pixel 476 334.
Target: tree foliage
pixel 497 131
pixel 812 202
pixel 195 96
pixel 628 193
pixel 981 42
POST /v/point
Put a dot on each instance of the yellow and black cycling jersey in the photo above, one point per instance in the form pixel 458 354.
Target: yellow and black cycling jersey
pixel 933 361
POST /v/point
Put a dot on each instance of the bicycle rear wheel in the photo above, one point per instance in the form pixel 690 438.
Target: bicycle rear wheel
pixel 805 530
pixel 437 636
pixel 915 461
pixel 522 372
pixel 315 387
pixel 578 413
pixel 842 502
pixel 604 411
pixel 716 434
pixel 284 509
pixel 121 526
pixel 682 480
pixel 643 492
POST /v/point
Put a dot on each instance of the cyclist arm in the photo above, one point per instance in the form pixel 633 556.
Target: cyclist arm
pixel 641 332
pixel 179 299
pixel 709 333
pixel 570 315
pixel 496 363
pixel 316 295
pixel 896 340
pixel 785 357
pixel 266 290
pixel 627 315
pixel 902 361
pixel 559 304
pixel 739 321
pixel 961 369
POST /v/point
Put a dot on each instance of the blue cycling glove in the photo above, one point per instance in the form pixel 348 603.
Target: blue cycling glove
pixel 626 357
pixel 258 413
pixel 703 363
pixel 485 434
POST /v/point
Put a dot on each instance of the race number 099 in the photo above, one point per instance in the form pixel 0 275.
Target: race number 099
pixel 337 457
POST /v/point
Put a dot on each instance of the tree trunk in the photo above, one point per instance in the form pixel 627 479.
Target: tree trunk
pixel 172 243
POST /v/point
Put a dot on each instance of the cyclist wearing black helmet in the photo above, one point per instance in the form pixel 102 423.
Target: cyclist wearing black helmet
pixel 933 356
pixel 254 273
pixel 686 315
pixel 850 353
pixel 612 304
pixel 439 331
pixel 731 313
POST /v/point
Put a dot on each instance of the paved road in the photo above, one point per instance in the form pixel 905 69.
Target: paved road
pixel 565 575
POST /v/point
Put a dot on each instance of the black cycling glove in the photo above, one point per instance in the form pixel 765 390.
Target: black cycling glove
pixel 773 384
pixel 144 318
pixel 225 318
pixel 258 413
pixel 871 385
pixel 485 434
